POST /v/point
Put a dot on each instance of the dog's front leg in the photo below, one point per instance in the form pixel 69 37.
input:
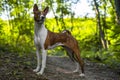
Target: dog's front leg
pixel 38 61
pixel 44 54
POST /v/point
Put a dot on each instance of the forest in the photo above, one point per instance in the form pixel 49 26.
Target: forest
pixel 98 37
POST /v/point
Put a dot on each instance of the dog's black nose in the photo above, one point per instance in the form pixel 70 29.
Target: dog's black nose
pixel 42 17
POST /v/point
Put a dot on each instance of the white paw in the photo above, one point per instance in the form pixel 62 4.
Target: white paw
pixel 82 75
pixel 39 73
pixel 75 71
pixel 36 70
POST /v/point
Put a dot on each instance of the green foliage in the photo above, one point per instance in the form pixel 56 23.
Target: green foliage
pixel 21 41
pixel 16 33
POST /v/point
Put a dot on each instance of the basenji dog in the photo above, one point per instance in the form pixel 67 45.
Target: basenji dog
pixel 45 40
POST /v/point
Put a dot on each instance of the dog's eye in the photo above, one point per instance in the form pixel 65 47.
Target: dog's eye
pixel 38 15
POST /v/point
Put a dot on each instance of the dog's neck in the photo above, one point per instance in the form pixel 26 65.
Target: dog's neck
pixel 39 28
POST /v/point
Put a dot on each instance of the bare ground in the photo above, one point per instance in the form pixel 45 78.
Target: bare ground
pixel 14 67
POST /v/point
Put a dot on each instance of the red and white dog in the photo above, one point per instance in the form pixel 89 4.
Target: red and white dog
pixel 45 39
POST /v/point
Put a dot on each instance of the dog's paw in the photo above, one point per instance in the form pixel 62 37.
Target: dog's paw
pixel 75 71
pixel 82 75
pixel 39 73
pixel 36 70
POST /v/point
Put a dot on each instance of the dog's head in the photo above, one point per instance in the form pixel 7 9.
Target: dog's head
pixel 39 16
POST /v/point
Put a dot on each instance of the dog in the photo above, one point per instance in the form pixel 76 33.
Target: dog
pixel 45 40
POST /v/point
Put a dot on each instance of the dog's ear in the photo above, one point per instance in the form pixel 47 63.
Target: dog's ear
pixel 45 11
pixel 35 8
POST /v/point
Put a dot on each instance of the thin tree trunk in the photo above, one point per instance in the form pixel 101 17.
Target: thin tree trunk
pixel 72 17
pixel 62 19
pixel 105 24
pixel 117 8
pixel 51 1
pixel 101 32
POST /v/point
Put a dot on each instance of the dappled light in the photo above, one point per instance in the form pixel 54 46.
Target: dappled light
pixel 98 36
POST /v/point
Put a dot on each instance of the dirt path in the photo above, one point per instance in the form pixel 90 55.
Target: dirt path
pixel 14 67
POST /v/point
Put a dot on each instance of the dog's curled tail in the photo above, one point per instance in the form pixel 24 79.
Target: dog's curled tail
pixel 66 31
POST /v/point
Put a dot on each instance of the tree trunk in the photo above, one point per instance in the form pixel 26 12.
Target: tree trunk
pixel 56 18
pixel 101 32
pixel 117 8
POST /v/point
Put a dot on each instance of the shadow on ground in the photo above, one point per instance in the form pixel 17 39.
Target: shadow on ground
pixel 14 67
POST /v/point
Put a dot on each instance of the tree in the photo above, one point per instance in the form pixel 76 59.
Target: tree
pixel 117 8
pixel 18 13
pixel 100 28
pixel 60 9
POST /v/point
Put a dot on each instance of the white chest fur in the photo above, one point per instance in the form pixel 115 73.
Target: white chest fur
pixel 40 35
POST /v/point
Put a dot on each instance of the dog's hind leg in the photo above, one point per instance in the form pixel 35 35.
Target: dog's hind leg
pixel 77 68
pixel 70 53
pixel 80 61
